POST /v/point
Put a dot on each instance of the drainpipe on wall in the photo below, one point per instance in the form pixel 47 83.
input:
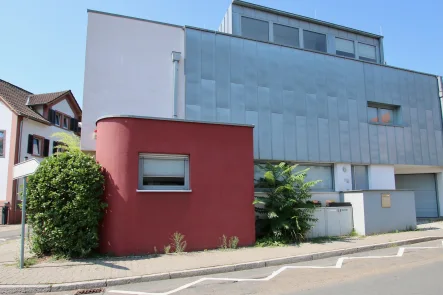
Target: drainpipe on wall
pixel 440 93
pixel 175 59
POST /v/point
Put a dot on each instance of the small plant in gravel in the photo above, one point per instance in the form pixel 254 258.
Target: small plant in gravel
pixel 167 249
pixel 233 242
pixel 179 243
pixel 353 233
pixel 223 243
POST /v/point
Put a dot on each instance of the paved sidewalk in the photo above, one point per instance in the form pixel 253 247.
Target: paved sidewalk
pixel 108 268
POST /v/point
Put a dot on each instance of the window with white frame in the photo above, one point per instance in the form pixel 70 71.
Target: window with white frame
pixel 57 119
pixel 366 52
pixel 344 47
pixel 163 172
pixel 324 173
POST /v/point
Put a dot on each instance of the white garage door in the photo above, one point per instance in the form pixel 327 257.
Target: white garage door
pixel 425 192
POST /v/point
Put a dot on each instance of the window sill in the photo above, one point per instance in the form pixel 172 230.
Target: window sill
pixel 389 125
pixel 162 191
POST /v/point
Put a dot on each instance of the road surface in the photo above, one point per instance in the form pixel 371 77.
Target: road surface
pixel 417 271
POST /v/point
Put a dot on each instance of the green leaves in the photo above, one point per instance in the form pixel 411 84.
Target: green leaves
pixel 285 213
pixel 64 204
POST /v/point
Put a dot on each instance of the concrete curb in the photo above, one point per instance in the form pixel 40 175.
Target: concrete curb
pixel 14 289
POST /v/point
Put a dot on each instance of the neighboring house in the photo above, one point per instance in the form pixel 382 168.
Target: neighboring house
pixel 318 94
pixel 27 122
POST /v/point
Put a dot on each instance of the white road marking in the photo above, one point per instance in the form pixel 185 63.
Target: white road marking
pixel 338 265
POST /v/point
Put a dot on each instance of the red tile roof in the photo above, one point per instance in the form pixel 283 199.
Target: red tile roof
pixel 16 98
pixel 45 97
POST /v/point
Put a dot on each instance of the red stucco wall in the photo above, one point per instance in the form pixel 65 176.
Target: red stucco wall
pixel 221 180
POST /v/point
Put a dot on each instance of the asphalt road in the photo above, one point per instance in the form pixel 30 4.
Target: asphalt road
pixel 418 271
pixel 9 235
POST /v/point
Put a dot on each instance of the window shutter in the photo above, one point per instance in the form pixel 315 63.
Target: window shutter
pixel 46 148
pixel 30 142
pixel 51 116
pixel 73 125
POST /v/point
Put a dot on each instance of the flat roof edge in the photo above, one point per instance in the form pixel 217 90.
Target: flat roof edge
pixel 133 18
pixel 305 18
pixel 172 120
pixel 318 52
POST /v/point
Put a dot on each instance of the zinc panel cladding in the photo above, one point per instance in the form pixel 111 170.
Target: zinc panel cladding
pixel 311 107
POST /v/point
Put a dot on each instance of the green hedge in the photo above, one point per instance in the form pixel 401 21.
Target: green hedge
pixel 64 205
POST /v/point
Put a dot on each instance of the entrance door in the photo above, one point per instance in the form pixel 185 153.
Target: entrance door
pixel 425 192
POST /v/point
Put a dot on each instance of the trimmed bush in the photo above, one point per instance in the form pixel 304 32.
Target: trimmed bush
pixel 64 205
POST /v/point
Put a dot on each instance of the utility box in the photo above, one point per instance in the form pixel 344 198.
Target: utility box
pixel 332 221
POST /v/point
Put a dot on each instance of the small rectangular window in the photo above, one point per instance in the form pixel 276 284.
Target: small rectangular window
pixel 37 146
pixel 314 41
pixel 372 115
pixel 366 52
pixel 344 47
pixel 382 113
pixel 58 119
pixel 360 178
pixel 254 29
pixel 285 35
pixel 66 121
pixel 315 172
pixel 2 143
pixel 163 172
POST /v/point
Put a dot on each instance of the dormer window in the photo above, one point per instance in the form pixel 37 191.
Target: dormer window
pixel 66 121
pixel 57 119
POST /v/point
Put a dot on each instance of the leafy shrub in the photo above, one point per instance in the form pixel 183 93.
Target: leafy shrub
pixel 64 204
pixel 286 208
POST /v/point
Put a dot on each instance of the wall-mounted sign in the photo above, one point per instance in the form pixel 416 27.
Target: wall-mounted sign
pixel 386 200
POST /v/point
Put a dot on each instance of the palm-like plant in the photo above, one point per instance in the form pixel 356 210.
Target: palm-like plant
pixel 288 212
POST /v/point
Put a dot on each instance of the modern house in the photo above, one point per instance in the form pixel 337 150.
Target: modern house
pixel 318 94
pixel 27 122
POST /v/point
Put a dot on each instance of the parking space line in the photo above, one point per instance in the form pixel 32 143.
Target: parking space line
pixel 338 265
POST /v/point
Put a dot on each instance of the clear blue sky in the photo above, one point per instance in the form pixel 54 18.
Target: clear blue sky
pixel 43 42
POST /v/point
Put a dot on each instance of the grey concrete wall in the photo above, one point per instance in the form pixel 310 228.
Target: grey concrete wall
pixel 400 216
pixel 311 107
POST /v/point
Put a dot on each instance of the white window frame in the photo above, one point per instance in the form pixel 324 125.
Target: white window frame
pixel 178 188
pixel 60 118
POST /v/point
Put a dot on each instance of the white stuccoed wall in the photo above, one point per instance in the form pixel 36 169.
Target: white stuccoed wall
pixel 63 106
pixel 5 124
pixel 342 177
pixel 129 70
pixel 381 177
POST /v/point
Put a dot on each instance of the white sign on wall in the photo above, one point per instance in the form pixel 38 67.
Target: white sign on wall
pixel 25 168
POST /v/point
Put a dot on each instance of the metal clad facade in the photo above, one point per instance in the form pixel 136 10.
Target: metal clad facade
pixel 311 107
